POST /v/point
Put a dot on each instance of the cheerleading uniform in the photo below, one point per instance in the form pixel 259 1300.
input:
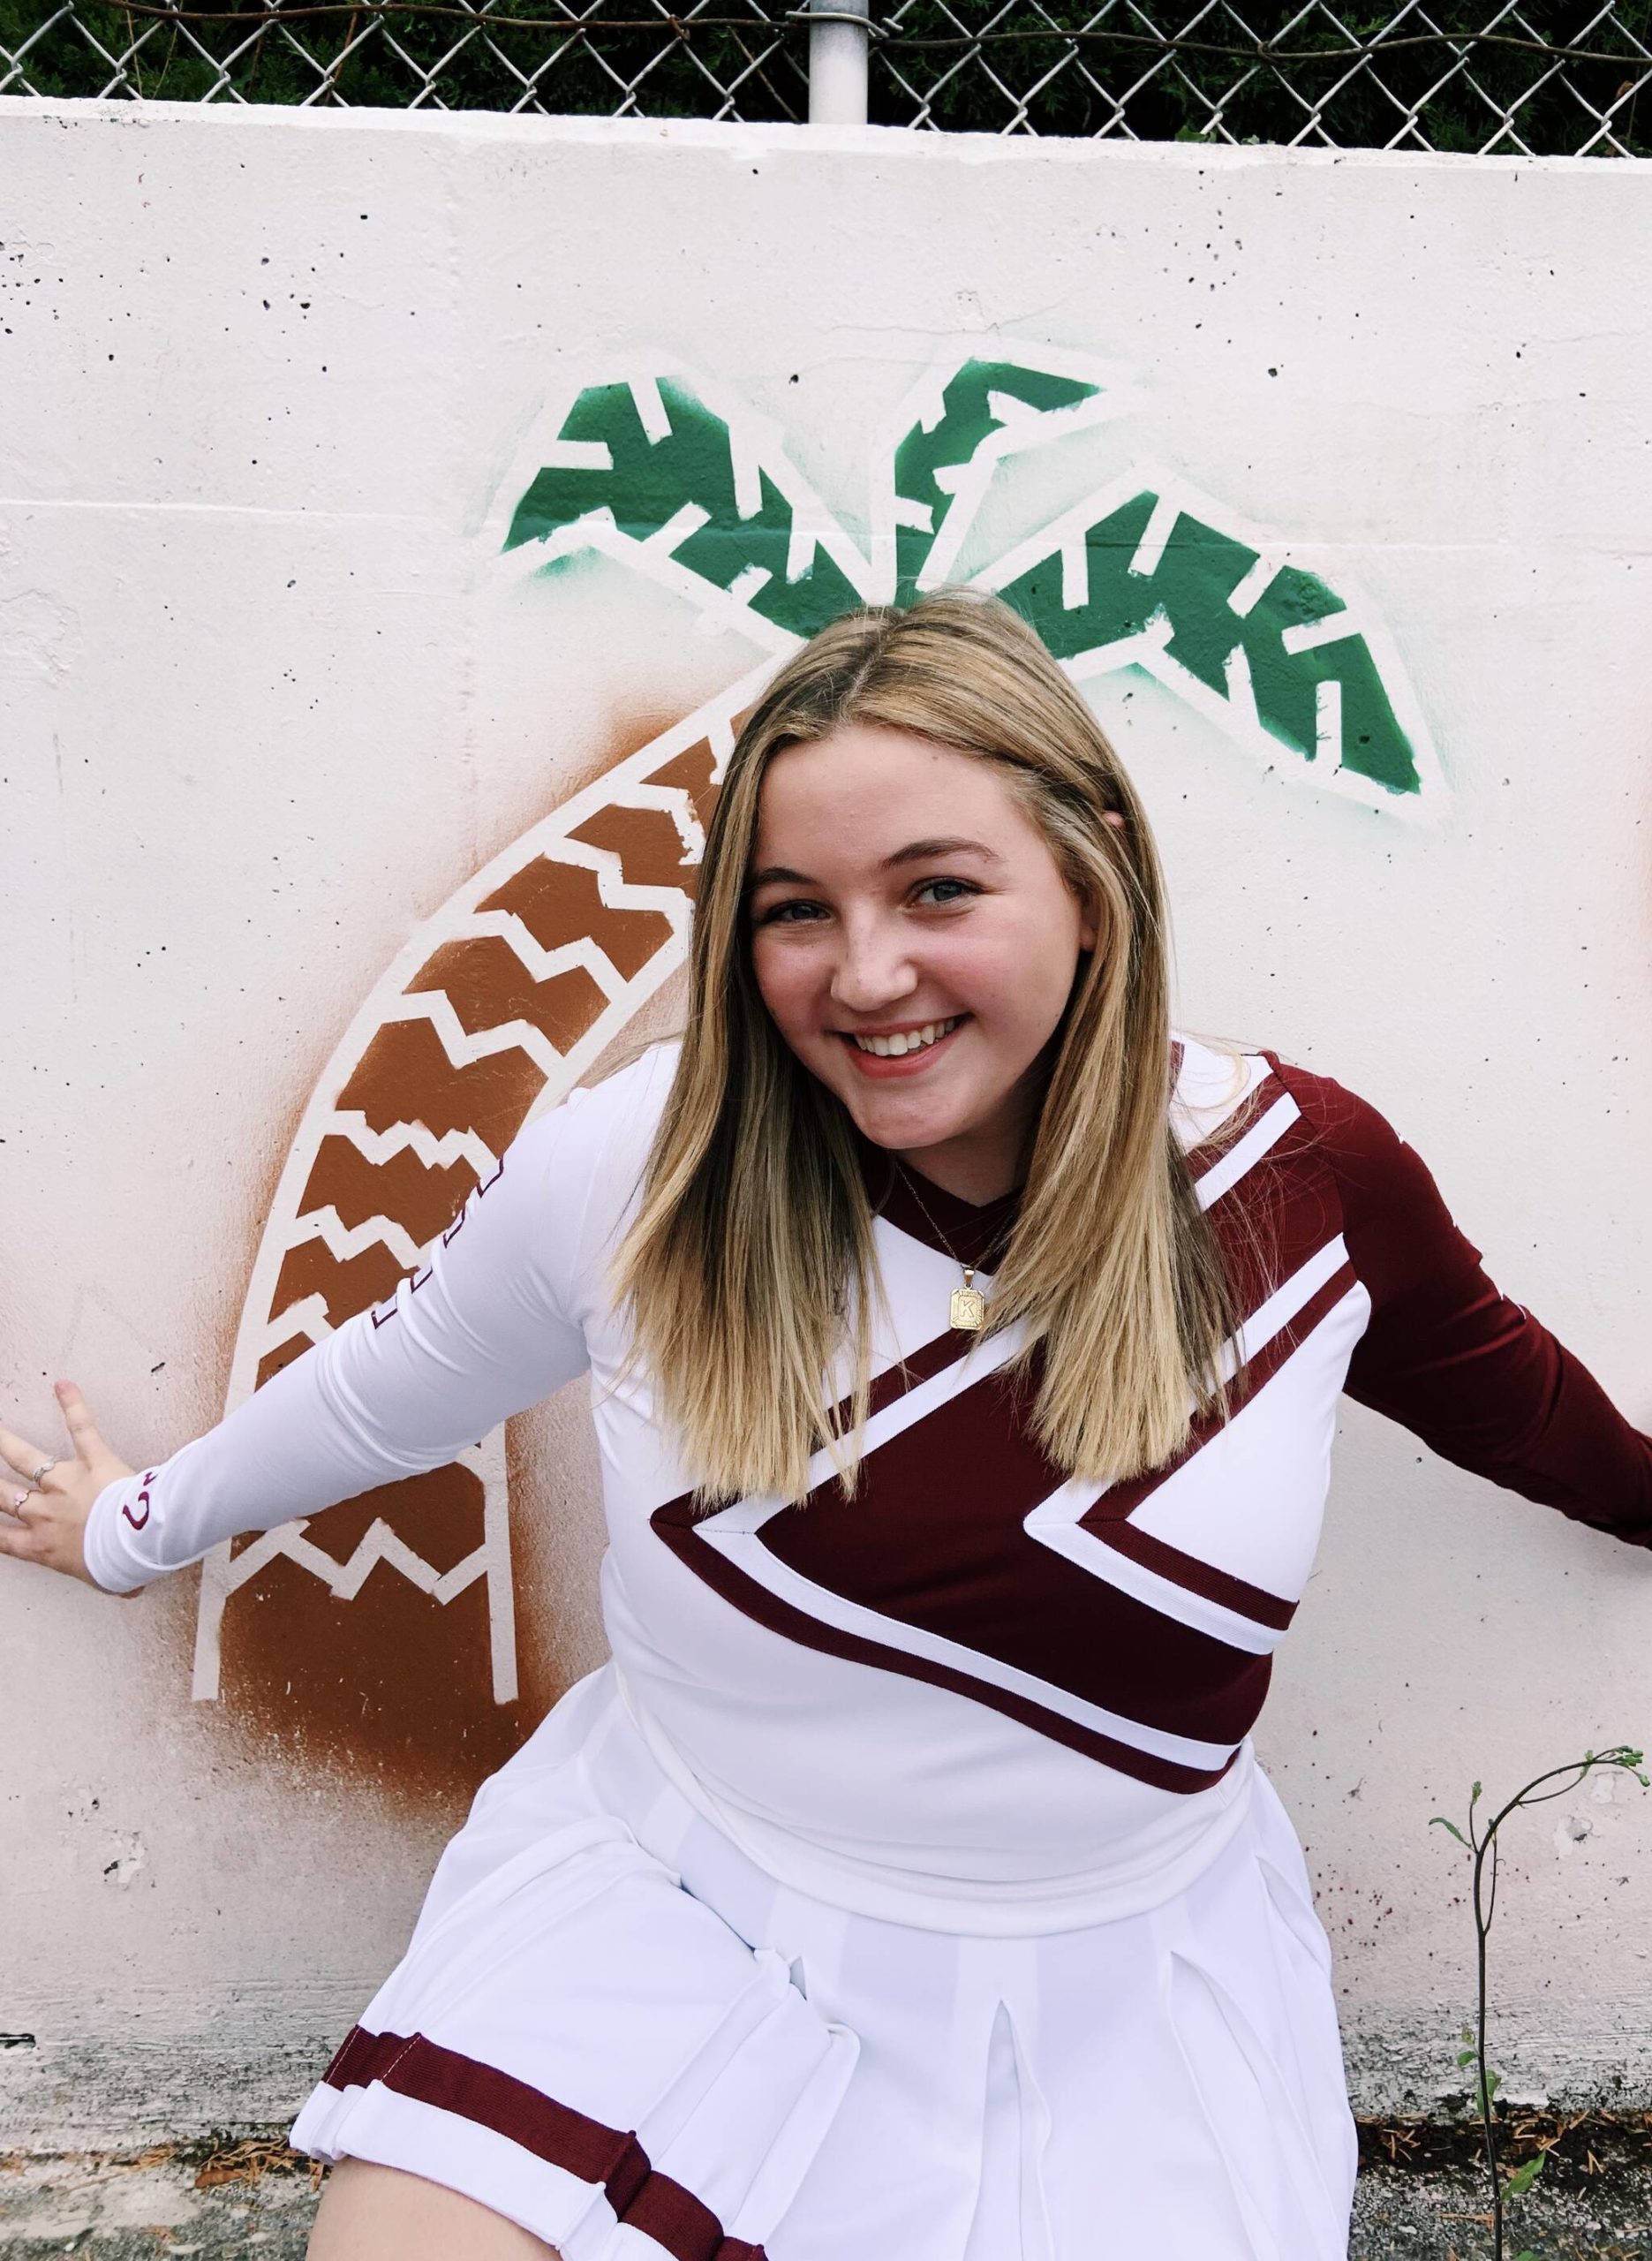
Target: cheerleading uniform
pixel 905 1888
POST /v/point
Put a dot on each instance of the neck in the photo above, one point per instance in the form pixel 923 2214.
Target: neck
pixel 976 1183
pixel 978 1166
pixel 990 1159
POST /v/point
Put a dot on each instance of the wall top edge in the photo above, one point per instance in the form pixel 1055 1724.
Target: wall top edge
pixel 908 144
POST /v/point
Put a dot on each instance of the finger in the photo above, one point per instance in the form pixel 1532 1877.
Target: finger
pixel 19 1453
pixel 17 1540
pixel 78 1420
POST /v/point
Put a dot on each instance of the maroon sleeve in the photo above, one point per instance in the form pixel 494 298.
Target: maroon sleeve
pixel 1473 1375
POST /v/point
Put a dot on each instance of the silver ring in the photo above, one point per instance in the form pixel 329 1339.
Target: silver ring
pixel 44 1470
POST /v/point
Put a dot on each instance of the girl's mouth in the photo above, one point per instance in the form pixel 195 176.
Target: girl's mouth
pixel 905 1054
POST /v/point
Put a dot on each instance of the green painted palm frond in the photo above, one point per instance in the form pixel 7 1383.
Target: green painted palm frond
pixel 648 463
pixel 968 419
pixel 1145 574
pixel 1147 577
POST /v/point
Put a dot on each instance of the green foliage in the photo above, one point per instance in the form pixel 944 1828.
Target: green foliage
pixel 1273 73
pixel 1481 1843
pixel 579 69
pixel 1517 2184
pixel 1129 78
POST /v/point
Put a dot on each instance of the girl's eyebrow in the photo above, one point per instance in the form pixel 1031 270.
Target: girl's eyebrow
pixel 919 851
pixel 915 851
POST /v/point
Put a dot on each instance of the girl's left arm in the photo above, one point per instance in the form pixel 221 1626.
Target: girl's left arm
pixel 1474 1374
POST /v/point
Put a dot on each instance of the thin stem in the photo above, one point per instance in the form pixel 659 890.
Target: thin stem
pixel 1486 1845
pixel 1482 1841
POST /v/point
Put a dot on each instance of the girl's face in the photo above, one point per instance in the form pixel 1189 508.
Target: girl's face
pixel 916 942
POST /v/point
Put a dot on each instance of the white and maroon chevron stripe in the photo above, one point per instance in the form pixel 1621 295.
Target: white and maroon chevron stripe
pixel 761 1583
pixel 1106 1534
pixel 954 1561
pixel 1275 1112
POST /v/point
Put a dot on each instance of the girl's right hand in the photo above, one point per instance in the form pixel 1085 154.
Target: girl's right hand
pixel 44 1516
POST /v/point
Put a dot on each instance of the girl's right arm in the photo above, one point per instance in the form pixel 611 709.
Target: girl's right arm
pixel 490 1323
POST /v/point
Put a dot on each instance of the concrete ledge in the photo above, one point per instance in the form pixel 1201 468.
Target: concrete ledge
pixel 235 2197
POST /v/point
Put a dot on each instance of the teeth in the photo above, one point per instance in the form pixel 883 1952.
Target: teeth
pixel 896 1047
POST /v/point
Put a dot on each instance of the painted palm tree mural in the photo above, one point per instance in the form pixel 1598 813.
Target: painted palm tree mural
pixel 498 1004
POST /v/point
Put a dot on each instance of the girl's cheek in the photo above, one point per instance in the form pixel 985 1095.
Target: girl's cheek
pixel 783 982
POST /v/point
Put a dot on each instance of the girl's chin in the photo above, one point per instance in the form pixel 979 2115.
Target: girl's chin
pixel 891 1118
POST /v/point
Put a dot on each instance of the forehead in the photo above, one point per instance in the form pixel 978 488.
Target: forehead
pixel 866 791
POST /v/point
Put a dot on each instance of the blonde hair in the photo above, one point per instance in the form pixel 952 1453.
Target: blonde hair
pixel 749 1270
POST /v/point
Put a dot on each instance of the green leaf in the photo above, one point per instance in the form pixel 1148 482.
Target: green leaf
pixel 928 463
pixel 1466 2056
pixel 1084 590
pixel 1438 1821
pixel 1523 2177
pixel 737 524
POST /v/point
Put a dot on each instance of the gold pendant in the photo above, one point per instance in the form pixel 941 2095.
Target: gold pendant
pixel 969 1307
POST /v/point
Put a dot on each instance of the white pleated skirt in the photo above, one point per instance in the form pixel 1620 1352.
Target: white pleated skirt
pixel 616 2029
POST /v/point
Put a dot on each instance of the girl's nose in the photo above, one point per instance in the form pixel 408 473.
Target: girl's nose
pixel 873 968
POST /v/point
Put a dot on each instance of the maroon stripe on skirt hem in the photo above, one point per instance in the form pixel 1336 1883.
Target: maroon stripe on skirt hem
pixel 641 2197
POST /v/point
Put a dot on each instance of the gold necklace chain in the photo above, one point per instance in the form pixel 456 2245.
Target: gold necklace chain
pixel 967 1311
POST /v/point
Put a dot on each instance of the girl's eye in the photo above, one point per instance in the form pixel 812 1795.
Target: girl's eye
pixel 800 912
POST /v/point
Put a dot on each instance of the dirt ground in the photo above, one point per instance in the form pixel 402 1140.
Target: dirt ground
pixel 248 2198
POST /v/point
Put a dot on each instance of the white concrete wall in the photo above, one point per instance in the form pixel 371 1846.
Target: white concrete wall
pixel 271 696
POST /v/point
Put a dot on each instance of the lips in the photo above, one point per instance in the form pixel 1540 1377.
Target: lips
pixel 881 1066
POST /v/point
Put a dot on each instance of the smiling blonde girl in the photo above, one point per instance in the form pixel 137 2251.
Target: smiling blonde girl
pixel 965 1349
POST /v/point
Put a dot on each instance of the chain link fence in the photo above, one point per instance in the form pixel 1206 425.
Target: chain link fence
pixel 1468 75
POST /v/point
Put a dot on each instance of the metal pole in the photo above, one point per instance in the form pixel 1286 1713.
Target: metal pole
pixel 838 41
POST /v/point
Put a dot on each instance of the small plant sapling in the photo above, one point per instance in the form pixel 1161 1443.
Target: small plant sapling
pixel 1481 1843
